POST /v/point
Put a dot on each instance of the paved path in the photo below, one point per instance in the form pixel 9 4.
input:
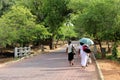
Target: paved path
pixel 51 66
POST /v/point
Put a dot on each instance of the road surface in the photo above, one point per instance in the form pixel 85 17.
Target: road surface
pixel 49 66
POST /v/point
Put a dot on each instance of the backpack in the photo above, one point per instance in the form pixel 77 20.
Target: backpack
pixel 73 52
pixel 86 49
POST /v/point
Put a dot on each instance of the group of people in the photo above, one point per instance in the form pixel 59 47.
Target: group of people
pixel 83 51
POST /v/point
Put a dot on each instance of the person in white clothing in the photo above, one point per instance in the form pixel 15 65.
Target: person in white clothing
pixel 69 50
pixel 83 55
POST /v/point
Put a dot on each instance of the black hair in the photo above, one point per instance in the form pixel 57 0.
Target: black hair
pixel 81 43
pixel 69 42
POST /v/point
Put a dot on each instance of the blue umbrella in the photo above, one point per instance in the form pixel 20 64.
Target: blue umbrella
pixel 87 41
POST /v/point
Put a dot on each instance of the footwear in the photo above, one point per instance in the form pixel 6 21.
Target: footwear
pixel 83 67
pixel 86 65
pixel 72 63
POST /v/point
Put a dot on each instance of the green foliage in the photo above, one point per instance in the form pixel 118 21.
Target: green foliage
pixel 5 6
pixel 14 24
pixel 19 26
pixel 97 19
pixel 7 34
pixel 50 13
pixel 114 50
pixel 118 53
pixel 36 7
pixel 98 56
pixel 78 6
pixel 39 32
pixel 55 11
pixel 66 32
pixel 20 20
pixel 111 57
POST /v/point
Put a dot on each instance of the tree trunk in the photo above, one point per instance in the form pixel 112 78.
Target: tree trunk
pixel 56 43
pixel 52 43
pixel 103 50
pixel 99 42
pixel 109 49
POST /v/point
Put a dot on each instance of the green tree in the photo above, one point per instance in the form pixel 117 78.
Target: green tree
pixel 36 7
pixel 97 19
pixel 7 34
pixel 115 30
pixel 22 24
pixel 56 11
pixel 77 8
pixel 17 22
pixel 40 33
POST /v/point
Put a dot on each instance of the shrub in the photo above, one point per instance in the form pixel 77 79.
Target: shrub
pixel 98 56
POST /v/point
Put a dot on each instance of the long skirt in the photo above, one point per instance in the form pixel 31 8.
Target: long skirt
pixel 84 58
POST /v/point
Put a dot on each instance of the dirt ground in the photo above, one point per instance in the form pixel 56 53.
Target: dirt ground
pixel 110 69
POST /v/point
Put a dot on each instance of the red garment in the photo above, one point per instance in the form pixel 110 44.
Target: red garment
pixel 86 49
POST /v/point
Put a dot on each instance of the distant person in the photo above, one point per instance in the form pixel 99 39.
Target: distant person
pixel 70 51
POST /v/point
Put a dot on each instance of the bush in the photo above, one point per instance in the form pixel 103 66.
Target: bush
pixel 114 51
pixel 98 56
pixel 111 57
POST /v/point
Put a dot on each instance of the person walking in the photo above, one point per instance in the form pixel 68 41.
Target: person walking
pixel 83 52
pixel 70 51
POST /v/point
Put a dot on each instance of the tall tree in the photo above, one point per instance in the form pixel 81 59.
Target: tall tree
pixel 56 11
pixel 18 25
pixel 77 8
pixel 15 23
pixel 98 18
pixel 101 20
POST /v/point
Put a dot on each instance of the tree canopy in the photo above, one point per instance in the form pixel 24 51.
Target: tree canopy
pixel 26 21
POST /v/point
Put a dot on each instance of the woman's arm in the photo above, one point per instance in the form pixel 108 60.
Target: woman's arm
pixel 67 50
pixel 78 51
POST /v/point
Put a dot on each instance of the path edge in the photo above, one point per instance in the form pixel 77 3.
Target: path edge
pixel 98 68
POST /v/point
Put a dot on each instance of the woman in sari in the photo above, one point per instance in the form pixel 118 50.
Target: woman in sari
pixel 84 56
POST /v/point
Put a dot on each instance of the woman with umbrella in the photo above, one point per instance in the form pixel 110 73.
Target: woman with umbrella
pixel 84 50
pixel 83 56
